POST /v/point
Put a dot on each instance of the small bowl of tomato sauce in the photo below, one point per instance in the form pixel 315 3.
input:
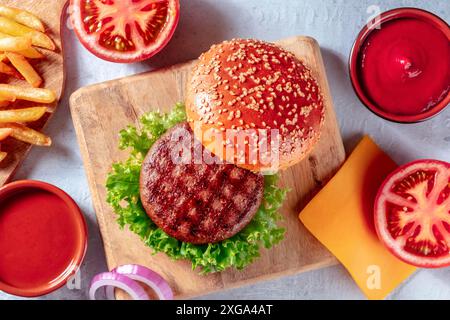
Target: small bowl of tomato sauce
pixel 43 238
pixel 400 65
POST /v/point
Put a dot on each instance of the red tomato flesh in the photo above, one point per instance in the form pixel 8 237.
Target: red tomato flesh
pixel 125 30
pixel 412 213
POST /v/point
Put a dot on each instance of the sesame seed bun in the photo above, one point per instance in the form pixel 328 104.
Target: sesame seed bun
pixel 247 86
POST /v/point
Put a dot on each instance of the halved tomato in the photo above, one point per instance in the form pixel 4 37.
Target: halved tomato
pixel 125 30
pixel 412 213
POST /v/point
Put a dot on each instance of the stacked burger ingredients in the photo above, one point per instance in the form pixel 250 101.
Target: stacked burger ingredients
pixel 194 185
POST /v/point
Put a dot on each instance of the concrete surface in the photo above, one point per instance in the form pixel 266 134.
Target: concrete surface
pixel 335 25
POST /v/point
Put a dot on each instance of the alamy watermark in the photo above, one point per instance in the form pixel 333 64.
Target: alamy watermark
pixel 374 277
pixel 373 21
pixel 246 147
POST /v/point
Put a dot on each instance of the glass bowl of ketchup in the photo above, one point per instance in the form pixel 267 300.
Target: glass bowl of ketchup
pixel 400 65
pixel 43 238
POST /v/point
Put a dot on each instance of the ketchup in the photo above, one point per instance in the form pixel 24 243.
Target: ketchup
pixel 38 238
pixel 405 66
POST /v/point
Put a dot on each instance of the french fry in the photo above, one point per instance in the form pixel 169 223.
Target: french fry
pixel 3 156
pixel 38 38
pixel 25 68
pixel 5 133
pixel 28 135
pixel 24 17
pixel 4 68
pixel 38 95
pixel 30 53
pixel 22 115
pixel 15 44
pixel 6 99
pixel 7 96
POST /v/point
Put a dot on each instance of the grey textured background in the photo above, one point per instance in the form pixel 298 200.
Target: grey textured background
pixel 335 25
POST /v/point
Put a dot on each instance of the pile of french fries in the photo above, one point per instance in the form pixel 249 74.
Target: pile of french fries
pixel 21 32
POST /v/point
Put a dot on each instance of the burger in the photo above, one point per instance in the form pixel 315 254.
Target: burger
pixel 201 181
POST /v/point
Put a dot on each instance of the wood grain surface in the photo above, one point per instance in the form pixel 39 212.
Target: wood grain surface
pixel 51 69
pixel 101 111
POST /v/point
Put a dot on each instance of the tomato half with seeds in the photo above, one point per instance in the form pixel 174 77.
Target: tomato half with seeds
pixel 125 30
pixel 412 213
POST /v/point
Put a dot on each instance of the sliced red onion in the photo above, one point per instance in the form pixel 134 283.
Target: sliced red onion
pixel 146 276
pixel 112 280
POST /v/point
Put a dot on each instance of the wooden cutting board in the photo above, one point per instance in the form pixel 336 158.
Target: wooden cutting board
pixel 51 69
pixel 101 111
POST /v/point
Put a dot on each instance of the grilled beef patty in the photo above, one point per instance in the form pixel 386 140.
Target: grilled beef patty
pixel 196 203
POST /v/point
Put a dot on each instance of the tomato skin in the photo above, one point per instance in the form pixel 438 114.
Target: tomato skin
pixel 380 225
pixel 115 56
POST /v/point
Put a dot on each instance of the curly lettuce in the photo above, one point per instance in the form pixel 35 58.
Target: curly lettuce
pixel 123 195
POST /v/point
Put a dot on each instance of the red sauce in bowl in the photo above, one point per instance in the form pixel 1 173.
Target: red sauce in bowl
pixel 400 68
pixel 42 238
pixel 405 66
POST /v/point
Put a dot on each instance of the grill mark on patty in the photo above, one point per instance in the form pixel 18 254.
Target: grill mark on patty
pixel 184 199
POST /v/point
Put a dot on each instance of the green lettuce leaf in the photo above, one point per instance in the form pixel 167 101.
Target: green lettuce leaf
pixel 123 195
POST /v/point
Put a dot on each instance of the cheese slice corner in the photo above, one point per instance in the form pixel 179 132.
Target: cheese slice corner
pixel 341 218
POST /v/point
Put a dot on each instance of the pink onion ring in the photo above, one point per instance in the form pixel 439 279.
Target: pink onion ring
pixel 111 280
pixel 146 276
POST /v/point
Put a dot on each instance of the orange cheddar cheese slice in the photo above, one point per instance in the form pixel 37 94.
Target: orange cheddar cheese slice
pixel 341 218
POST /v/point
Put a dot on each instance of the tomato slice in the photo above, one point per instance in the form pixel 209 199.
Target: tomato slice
pixel 412 213
pixel 125 30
